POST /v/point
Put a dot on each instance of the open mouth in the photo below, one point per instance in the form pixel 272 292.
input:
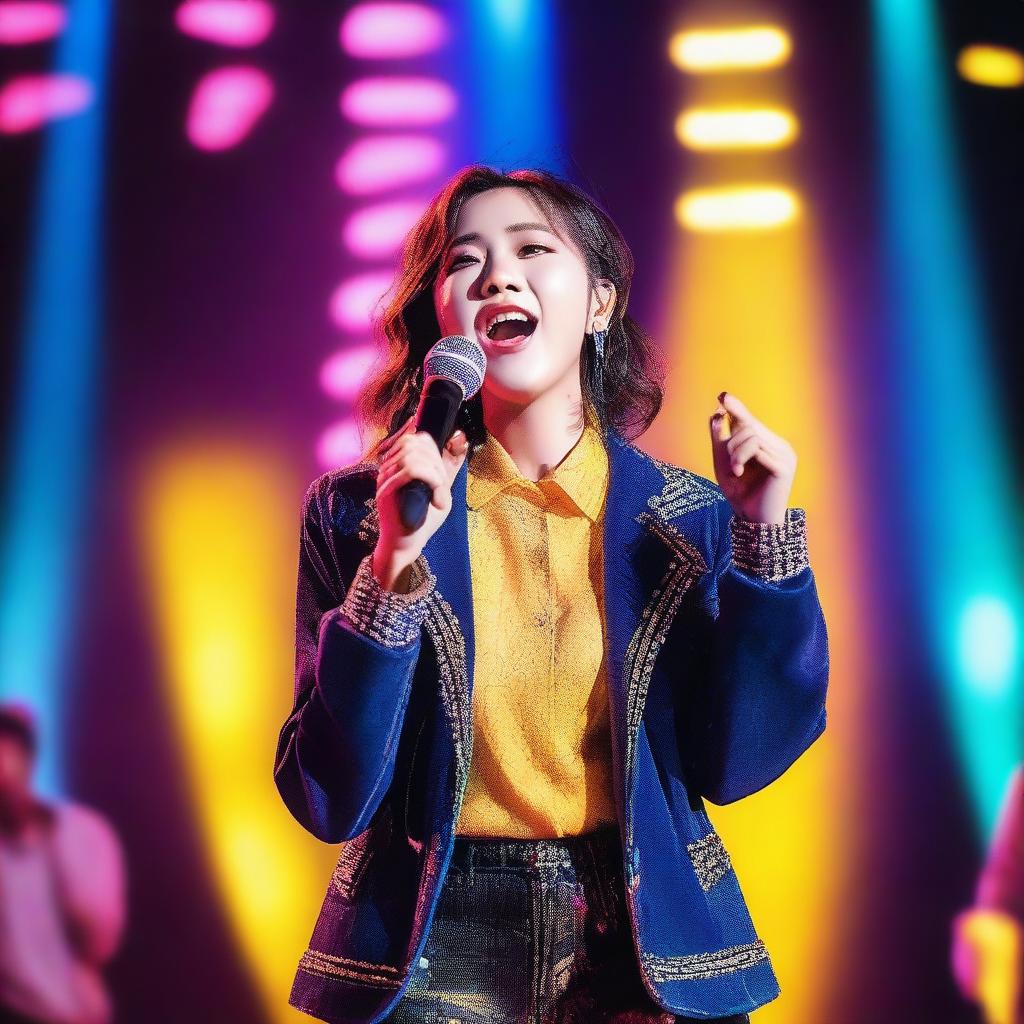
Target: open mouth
pixel 506 333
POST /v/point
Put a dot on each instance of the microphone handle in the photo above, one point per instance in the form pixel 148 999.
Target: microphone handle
pixel 438 409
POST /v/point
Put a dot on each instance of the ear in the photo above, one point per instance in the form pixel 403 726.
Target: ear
pixel 602 302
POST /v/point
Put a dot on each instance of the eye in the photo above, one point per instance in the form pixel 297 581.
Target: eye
pixel 458 261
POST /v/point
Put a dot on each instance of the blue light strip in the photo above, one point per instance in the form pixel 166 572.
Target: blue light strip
pixel 52 442
pixel 963 548
pixel 513 85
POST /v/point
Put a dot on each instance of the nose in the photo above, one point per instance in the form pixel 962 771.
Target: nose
pixel 500 276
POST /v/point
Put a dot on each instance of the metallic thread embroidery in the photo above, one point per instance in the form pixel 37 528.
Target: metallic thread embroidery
pixel 704 965
pixel 391 618
pixel 771 551
pixel 683 492
pixel 313 961
pixel 686 566
pixel 710 860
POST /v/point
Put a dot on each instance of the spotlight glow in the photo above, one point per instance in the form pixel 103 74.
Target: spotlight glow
pixel 343 374
pixel 29 22
pixel 997 66
pixel 236 23
pixel 392 30
pixel 377 231
pixel 737 208
pixel 355 300
pixel 29 101
pixel 226 105
pixel 988 646
pixel 392 101
pixel 339 445
pixel 730 49
pixel 738 128
pixel 384 162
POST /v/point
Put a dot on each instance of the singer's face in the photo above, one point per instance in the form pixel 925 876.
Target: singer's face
pixel 532 268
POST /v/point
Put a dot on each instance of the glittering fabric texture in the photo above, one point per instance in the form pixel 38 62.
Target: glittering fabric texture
pixel 391 618
pixel 542 758
pixel 771 551
pixel 710 860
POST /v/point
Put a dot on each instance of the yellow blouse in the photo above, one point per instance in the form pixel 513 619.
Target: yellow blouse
pixel 542 760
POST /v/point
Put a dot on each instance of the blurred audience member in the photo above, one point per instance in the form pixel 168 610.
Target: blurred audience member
pixel 62 894
pixel 988 937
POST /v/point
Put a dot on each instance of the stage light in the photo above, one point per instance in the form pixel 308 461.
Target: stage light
pixel 29 101
pixel 377 231
pixel 398 100
pixel 392 30
pixel 354 300
pixel 226 105
pixel 30 22
pixel 339 445
pixel 752 47
pixel 997 66
pixel 343 374
pixel 967 580
pixel 737 208
pixel 736 128
pixel 237 23
pixel 381 162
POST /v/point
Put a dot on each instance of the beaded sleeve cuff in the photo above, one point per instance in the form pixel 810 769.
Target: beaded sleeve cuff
pixel 389 617
pixel 770 551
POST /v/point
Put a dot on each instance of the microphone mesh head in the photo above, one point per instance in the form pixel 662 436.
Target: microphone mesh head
pixel 458 358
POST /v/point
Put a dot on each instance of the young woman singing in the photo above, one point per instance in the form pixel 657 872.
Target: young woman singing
pixel 512 715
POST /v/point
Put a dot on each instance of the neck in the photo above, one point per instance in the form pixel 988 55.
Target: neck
pixel 537 436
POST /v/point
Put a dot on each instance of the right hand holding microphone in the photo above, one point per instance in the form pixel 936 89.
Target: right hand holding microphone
pixel 412 455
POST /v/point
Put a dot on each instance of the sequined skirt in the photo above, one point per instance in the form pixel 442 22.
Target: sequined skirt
pixel 533 932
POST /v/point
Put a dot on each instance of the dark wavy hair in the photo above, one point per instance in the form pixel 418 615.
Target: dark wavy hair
pixel 407 327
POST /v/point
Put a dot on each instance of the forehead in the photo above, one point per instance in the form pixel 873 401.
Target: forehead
pixel 491 212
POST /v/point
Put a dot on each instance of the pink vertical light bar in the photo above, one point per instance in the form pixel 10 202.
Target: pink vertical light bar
pixel 384 162
pixel 237 23
pixel 395 101
pixel 383 30
pixel 377 231
pixel 226 105
pixel 29 101
pixel 23 22
pixel 343 374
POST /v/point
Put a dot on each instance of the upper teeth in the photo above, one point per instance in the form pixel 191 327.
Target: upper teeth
pixel 513 315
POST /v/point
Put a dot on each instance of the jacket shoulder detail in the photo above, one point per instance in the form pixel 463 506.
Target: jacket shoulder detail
pixel 683 491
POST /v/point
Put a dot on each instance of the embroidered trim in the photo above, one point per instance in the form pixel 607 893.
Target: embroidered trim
pixel 313 961
pixel 684 568
pixel 444 630
pixel 771 551
pixel 710 860
pixel 683 492
pixel 705 965
pixel 389 617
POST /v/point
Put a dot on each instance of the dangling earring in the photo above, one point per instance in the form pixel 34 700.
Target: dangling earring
pixel 600 334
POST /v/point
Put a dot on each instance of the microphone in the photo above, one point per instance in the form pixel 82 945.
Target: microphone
pixel 453 372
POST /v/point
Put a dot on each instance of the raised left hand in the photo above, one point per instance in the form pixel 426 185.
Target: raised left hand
pixel 754 466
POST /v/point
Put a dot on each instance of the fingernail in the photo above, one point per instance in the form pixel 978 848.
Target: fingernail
pixel 721 396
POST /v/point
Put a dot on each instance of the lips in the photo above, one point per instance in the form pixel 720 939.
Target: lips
pixel 489 312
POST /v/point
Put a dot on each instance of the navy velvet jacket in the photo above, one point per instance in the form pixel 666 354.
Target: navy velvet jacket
pixel 718 664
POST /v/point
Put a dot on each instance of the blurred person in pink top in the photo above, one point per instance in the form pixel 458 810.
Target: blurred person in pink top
pixel 62 894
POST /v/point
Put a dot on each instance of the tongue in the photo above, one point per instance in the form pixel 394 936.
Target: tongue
pixel 509 329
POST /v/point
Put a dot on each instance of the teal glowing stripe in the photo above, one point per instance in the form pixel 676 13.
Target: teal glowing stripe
pixel 52 443
pixel 963 549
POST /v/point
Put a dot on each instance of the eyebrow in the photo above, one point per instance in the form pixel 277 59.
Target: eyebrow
pixel 474 236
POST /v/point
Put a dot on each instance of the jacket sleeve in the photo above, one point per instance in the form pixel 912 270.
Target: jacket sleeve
pixel 763 661
pixel 356 647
